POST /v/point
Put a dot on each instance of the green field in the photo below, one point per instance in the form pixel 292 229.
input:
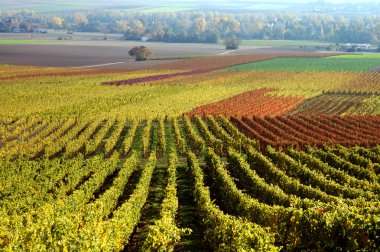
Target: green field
pixel 312 64
pixel 23 41
pixel 357 56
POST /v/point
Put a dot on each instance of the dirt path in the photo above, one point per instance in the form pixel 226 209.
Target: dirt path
pixel 187 214
pixel 151 211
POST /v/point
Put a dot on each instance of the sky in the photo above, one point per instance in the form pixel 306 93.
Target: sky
pixel 303 1
pixel 339 1
pixel 257 1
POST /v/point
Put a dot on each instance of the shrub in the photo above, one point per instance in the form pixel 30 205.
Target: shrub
pixel 140 52
pixel 231 43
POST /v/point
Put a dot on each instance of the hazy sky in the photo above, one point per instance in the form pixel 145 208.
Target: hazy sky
pixel 257 1
pixel 352 1
pixel 327 1
pixel 303 1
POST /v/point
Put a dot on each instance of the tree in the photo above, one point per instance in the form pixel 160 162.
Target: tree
pixel 199 25
pixel 122 25
pixel 140 52
pixel 279 31
pixel 231 43
pixel 229 27
pixel 211 37
pixel 57 21
pixel 80 19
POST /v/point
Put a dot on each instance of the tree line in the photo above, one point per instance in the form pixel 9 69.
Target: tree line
pixel 204 27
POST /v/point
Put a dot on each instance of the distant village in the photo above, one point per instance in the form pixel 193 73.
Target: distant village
pixel 350 47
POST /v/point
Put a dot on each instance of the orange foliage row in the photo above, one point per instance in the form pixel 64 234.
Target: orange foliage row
pixel 315 130
pixel 255 102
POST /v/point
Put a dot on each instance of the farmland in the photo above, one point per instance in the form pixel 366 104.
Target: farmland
pixel 15 41
pixel 253 152
pixel 256 102
pixel 332 104
pixel 310 64
pixel 89 49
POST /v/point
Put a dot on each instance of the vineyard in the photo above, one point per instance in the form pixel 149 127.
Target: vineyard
pixel 312 64
pixel 366 83
pixel 191 155
pixel 256 102
pixel 311 130
pixel 331 104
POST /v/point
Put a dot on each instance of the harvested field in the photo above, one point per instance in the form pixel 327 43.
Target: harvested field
pixel 78 56
pixel 98 54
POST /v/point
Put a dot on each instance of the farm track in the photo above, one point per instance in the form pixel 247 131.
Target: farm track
pixel 151 210
pixel 187 217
